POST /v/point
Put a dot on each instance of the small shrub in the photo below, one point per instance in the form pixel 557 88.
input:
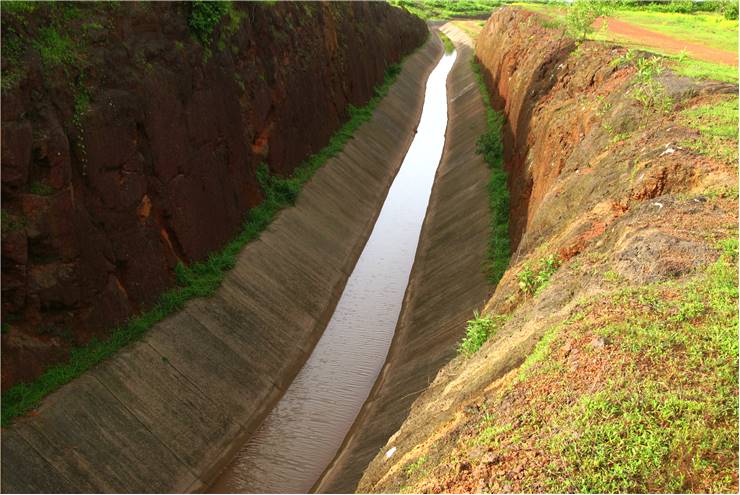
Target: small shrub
pixel 582 14
pixel 647 90
pixel 531 280
pixel 477 331
pixel 204 17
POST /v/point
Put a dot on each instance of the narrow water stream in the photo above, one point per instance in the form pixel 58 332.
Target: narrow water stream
pixel 301 435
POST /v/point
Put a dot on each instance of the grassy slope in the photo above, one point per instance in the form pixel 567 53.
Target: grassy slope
pixel 709 29
pixel 635 391
pixel 199 279
pixel 599 405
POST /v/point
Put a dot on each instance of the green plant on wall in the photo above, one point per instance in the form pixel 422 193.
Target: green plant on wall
pixel 582 14
pixel 204 17
pixel 648 90
pixel 477 331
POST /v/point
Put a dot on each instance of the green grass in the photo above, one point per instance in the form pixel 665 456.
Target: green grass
pixel 477 332
pixel 643 431
pixel 699 69
pixel 41 189
pixel 199 279
pixel 445 9
pixel 709 29
pixel 491 147
pixel 717 119
pixel 717 124
pixel 533 279
pixel 447 42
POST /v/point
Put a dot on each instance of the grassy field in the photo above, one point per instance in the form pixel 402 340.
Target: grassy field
pixel 710 30
pixel 444 9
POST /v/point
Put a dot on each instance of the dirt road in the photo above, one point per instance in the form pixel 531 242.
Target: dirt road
pixel 622 29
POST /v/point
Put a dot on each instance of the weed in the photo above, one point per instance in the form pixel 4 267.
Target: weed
pixel 204 17
pixel 449 46
pixel 54 48
pixel 41 189
pixel 647 90
pixel 477 332
pixel 490 435
pixel 10 222
pixel 490 146
pixel 533 280
pixel 415 466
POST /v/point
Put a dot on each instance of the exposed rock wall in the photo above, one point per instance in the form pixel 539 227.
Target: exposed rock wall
pixel 129 147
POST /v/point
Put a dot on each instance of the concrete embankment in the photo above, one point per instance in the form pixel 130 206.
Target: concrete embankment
pixel 166 413
pixel 447 282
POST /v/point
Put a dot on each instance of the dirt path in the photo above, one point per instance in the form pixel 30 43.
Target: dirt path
pixel 667 43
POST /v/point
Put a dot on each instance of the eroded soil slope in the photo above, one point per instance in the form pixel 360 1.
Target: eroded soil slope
pixel 131 135
pixel 613 360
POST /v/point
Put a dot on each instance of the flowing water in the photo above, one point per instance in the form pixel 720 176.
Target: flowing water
pixel 301 435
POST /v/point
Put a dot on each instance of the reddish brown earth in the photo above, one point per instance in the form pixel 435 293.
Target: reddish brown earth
pixel 667 43
pixel 622 197
pixel 160 167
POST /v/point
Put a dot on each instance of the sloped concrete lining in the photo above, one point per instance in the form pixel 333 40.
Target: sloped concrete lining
pixel 167 413
pixel 447 282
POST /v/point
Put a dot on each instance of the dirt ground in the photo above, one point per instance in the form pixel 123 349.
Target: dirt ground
pixel 665 43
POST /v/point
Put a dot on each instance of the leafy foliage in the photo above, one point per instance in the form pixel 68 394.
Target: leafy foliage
pixel 582 14
pixel 647 90
pixel 204 17
pixel 490 146
pixel 477 332
pixel 532 280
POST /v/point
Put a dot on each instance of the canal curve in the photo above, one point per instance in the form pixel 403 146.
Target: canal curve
pixel 301 435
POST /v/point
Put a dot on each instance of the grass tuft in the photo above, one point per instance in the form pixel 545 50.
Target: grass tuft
pixel 477 332
pixel 447 42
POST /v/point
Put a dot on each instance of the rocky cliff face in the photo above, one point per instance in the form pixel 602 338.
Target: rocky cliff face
pixel 131 134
